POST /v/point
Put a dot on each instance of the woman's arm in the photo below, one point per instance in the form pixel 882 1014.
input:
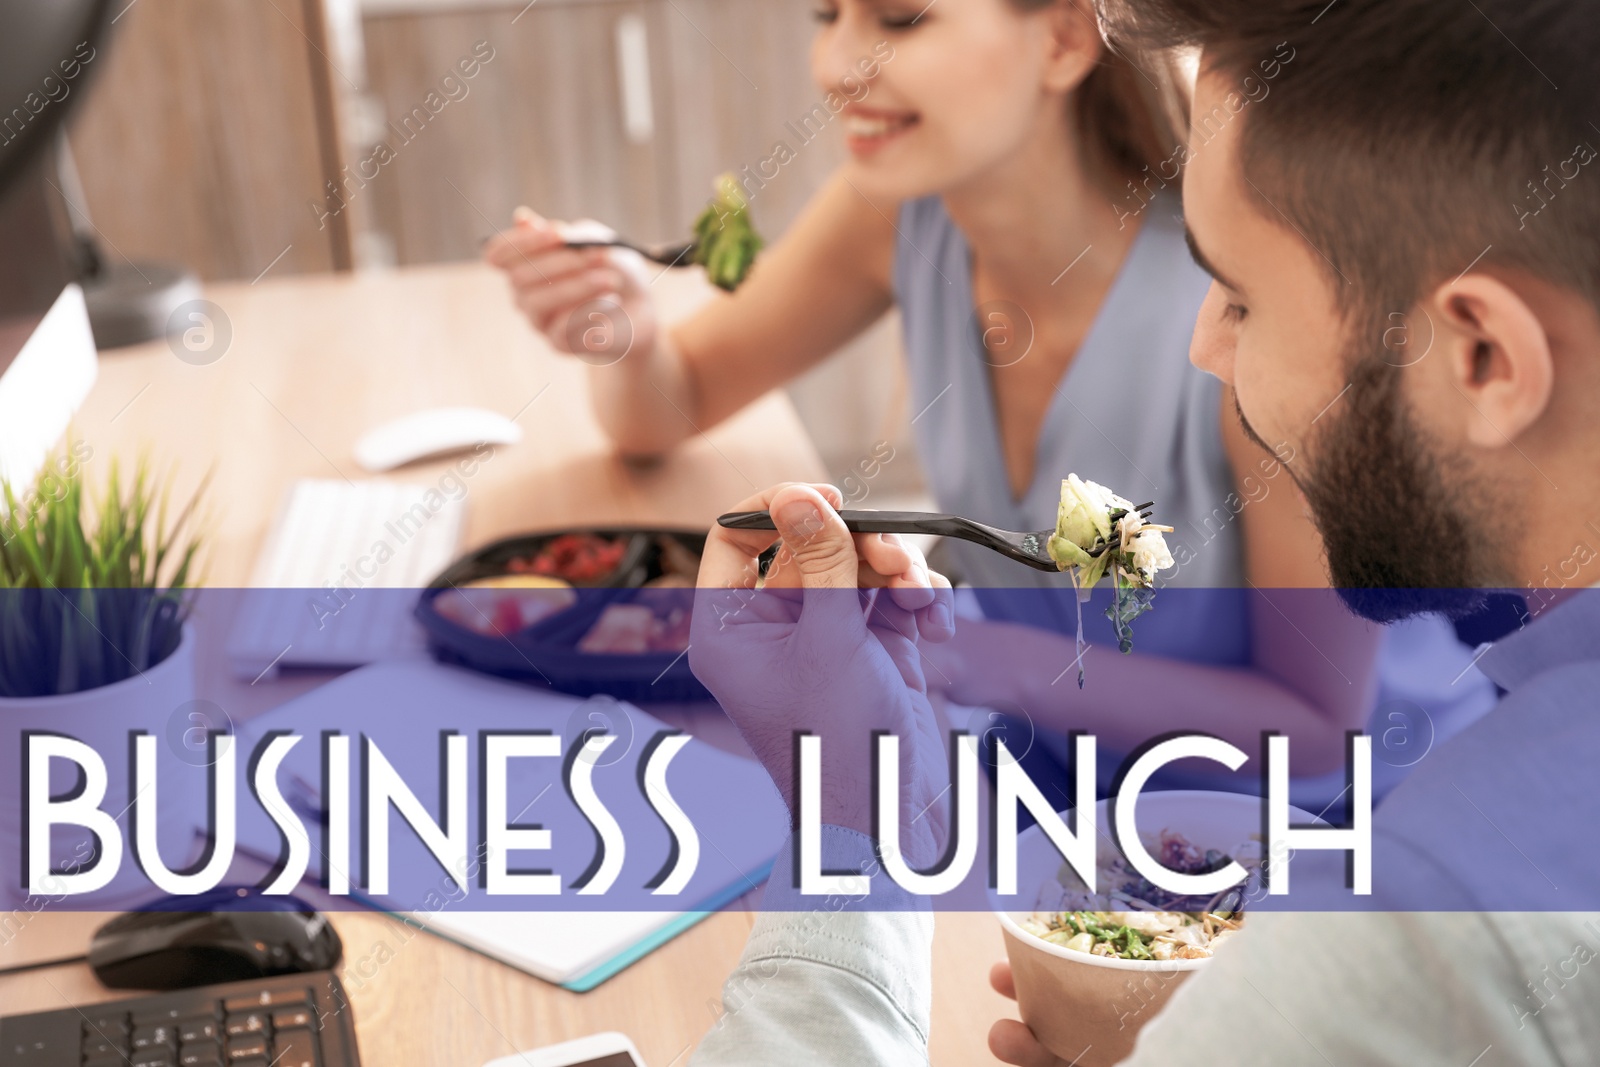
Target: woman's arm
pixel 1134 698
pixel 1312 675
pixel 828 278
pixel 823 282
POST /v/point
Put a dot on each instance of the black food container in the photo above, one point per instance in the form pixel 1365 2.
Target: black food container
pixel 547 651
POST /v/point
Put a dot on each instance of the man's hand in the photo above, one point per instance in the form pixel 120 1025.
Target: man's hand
pixel 827 646
pixel 1010 1040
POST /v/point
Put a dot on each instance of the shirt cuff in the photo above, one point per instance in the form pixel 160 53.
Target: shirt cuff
pixel 884 939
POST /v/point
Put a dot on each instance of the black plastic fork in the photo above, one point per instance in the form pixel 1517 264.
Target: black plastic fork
pixel 667 255
pixel 1028 547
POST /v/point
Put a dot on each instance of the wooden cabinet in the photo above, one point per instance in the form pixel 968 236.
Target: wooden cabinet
pixel 208 136
pixel 216 126
pixel 541 123
pixel 742 85
pixel 620 110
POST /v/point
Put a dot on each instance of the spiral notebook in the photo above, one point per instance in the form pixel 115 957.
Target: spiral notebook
pixel 572 948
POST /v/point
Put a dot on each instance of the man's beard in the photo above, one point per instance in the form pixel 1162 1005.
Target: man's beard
pixel 1401 534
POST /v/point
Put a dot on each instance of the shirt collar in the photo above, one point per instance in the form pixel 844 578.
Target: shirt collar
pixel 1568 633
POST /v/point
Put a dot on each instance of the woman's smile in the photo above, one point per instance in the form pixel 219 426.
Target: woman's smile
pixel 867 130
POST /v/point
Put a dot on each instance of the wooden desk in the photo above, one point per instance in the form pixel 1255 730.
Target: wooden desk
pixel 313 363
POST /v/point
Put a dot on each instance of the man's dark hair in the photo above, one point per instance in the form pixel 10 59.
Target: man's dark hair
pixel 1409 139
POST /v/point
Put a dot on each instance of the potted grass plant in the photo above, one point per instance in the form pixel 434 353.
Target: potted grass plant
pixel 95 594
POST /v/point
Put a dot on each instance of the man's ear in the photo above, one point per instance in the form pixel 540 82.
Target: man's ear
pixel 1075 44
pixel 1497 355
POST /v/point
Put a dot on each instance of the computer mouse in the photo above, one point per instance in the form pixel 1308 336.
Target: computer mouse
pixel 230 934
pixel 433 432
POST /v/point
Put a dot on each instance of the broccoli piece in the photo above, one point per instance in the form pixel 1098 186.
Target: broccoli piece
pixel 725 241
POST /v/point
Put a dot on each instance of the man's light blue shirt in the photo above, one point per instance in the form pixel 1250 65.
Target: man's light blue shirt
pixel 1500 814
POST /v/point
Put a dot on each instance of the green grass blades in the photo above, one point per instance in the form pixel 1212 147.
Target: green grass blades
pixel 726 242
pixel 93 586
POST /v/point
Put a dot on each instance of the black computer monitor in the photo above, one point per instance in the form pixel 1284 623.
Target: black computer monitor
pixel 48 54
pixel 47 355
pixel 34 265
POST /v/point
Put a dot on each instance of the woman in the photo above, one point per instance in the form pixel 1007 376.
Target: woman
pixel 1009 187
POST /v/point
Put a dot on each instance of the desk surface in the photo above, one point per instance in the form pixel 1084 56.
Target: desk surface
pixel 312 363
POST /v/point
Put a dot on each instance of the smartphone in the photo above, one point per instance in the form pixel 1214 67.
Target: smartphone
pixel 610 1049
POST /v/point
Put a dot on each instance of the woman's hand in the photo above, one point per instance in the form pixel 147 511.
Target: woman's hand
pixel 828 646
pixel 590 302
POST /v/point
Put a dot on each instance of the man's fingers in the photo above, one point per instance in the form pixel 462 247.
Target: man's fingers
pixel 729 559
pixel 901 565
pixel 937 621
pixel 1011 1042
pixel 1001 979
pixel 926 594
pixel 729 573
pixel 890 554
pixel 821 550
pixel 820 553
pixel 896 631
pixel 912 584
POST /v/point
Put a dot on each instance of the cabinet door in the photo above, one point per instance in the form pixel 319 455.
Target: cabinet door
pixel 205 139
pixel 743 101
pixel 553 120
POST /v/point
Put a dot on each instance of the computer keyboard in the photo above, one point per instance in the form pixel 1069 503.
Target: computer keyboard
pixel 336 578
pixel 300 1020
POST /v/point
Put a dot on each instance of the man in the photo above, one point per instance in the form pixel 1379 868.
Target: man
pixel 1405 238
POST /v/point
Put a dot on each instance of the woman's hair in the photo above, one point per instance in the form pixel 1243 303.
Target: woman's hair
pixel 1125 115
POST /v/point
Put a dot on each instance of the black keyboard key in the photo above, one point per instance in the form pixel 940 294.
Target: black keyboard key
pixel 200 1054
pixel 249 1022
pixel 99 1048
pixel 290 1018
pixel 45 1039
pixel 295 1048
pixel 302 1019
pixel 243 1048
pixel 102 1024
pixel 198 1029
pixel 164 1036
pixel 268 998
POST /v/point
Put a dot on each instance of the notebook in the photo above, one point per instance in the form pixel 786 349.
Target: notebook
pixel 576 949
